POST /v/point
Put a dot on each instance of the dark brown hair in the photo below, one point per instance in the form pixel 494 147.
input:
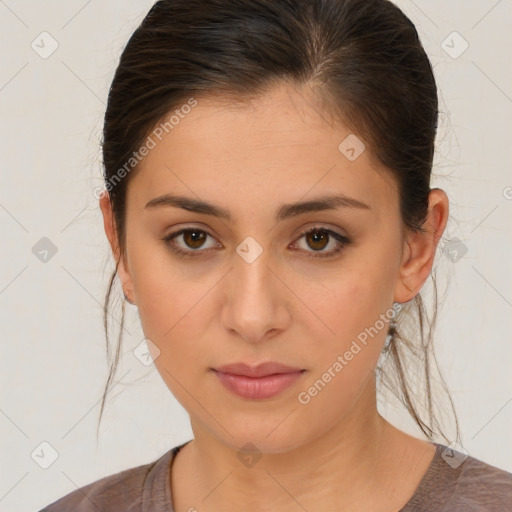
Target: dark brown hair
pixel 367 67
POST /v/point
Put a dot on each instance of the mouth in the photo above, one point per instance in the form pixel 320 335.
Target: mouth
pixel 257 382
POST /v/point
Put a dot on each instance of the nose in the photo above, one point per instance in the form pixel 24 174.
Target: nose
pixel 255 307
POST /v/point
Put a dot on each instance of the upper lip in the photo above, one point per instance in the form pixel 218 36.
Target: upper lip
pixel 260 370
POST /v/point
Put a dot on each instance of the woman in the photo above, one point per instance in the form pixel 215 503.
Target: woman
pixel 268 205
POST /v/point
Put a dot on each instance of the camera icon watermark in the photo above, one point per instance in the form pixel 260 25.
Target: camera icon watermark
pixel 146 352
pixel 45 45
pixel 454 455
pixel 249 250
pixel 455 249
pixel 249 455
pixel 454 45
pixel 44 250
pixel 44 455
pixel 352 147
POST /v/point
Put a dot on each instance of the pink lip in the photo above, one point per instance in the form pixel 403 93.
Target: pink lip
pixel 257 382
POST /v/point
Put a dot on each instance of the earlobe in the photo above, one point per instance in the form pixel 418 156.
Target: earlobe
pixel 420 248
pixel 111 233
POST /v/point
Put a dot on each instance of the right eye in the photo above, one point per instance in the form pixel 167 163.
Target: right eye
pixel 192 240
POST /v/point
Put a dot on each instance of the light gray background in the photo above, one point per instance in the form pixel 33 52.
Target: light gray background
pixel 53 352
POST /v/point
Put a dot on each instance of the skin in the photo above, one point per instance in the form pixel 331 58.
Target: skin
pixel 214 308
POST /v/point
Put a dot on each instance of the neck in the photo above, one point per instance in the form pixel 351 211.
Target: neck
pixel 347 464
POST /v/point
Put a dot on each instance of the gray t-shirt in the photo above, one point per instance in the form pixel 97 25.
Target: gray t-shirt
pixel 450 484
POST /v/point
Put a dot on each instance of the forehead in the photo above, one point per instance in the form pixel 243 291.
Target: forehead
pixel 275 148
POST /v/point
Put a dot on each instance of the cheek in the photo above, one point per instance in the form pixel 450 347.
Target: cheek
pixel 173 313
pixel 356 306
pixel 343 365
pixel 173 305
pixel 352 299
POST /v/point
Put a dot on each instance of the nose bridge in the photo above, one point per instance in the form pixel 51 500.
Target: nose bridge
pixel 255 305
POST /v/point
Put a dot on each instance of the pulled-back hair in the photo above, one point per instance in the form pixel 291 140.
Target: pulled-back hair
pixel 366 66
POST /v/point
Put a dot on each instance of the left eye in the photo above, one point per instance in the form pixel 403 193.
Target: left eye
pixel 320 238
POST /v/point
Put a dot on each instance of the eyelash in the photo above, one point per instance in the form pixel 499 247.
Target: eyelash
pixel 341 239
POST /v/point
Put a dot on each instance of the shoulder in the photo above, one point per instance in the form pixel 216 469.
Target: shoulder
pixel 458 482
pixel 120 492
pixel 481 486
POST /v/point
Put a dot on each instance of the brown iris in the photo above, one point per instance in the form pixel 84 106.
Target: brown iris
pixel 194 239
pixel 317 236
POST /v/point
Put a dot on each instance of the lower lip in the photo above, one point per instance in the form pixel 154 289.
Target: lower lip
pixel 258 387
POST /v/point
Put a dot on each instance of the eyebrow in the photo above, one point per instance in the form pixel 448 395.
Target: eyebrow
pixel 286 211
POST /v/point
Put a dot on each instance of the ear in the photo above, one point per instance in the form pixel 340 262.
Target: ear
pixel 420 248
pixel 111 232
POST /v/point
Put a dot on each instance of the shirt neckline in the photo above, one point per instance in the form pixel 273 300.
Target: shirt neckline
pixel 156 496
pixel 156 490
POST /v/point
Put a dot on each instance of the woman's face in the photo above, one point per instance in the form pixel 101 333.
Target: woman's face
pixel 254 283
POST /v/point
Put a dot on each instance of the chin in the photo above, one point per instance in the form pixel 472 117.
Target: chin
pixel 266 436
